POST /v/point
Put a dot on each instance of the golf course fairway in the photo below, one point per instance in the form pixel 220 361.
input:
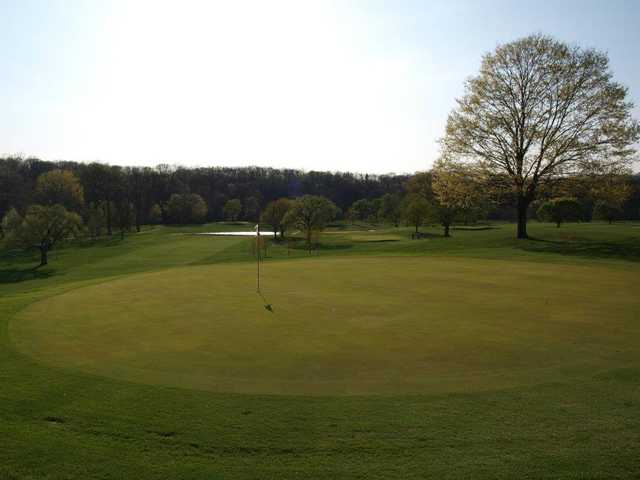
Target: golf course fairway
pixel 343 326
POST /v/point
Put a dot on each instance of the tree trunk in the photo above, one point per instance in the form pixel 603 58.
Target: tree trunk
pixel 109 228
pixel 417 228
pixel 523 206
pixel 557 224
pixel 446 230
pixel 44 260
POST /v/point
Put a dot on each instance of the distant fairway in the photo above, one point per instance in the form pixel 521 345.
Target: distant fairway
pixel 351 325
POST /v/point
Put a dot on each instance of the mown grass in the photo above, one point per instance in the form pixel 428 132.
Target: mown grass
pixel 60 422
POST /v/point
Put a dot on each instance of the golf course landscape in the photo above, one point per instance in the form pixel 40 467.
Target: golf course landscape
pixel 377 356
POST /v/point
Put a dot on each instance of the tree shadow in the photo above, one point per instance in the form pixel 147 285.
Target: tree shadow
pixel 300 245
pixel 628 250
pixel 384 240
pixel 15 275
pixel 332 246
pixel 471 228
pixel 425 235
pixel 104 241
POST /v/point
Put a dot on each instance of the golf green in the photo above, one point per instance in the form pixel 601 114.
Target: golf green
pixel 354 325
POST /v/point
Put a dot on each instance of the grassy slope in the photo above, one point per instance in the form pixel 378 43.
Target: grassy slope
pixel 62 424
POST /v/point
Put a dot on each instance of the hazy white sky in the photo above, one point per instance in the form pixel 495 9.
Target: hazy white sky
pixel 349 85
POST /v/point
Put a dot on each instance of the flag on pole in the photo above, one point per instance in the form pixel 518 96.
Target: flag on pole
pixel 257 229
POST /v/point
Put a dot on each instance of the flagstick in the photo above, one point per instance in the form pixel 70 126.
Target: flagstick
pixel 258 253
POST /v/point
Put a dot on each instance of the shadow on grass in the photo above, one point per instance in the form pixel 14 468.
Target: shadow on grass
pixel 624 250
pixel 424 235
pixel 327 247
pixel 471 228
pixel 15 275
pixel 103 241
pixel 384 240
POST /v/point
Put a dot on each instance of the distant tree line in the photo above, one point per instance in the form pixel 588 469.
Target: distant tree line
pixel 145 194
pixel 113 198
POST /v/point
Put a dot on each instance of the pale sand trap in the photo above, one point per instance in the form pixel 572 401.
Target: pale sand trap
pixel 236 234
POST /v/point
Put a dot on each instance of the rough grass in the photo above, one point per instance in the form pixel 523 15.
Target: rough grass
pixel 577 416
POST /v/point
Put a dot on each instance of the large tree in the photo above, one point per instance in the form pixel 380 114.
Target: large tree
pixel 540 109
pixel 43 227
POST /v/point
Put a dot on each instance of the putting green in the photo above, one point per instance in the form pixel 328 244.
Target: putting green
pixel 344 326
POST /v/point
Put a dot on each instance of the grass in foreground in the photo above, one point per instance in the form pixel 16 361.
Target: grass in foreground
pixel 579 420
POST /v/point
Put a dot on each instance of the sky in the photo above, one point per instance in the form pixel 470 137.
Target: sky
pixel 363 86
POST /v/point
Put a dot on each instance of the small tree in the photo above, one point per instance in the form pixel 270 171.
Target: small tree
pixel 43 228
pixel 155 214
pixel 274 214
pixel 125 216
pixel 391 208
pixel 311 213
pixel 560 210
pixel 607 211
pixel 60 187
pixel 232 209
pixel 416 210
pixel 610 192
pixel 457 191
pixel 251 209
pixel 10 222
pixel 95 220
pixel 362 210
pixel 187 208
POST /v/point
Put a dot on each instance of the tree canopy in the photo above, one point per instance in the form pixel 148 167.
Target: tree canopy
pixel 42 227
pixel 60 187
pixel 232 209
pixel 311 213
pixel 560 210
pixel 187 208
pixel 391 208
pixel 457 191
pixel 416 210
pixel 274 214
